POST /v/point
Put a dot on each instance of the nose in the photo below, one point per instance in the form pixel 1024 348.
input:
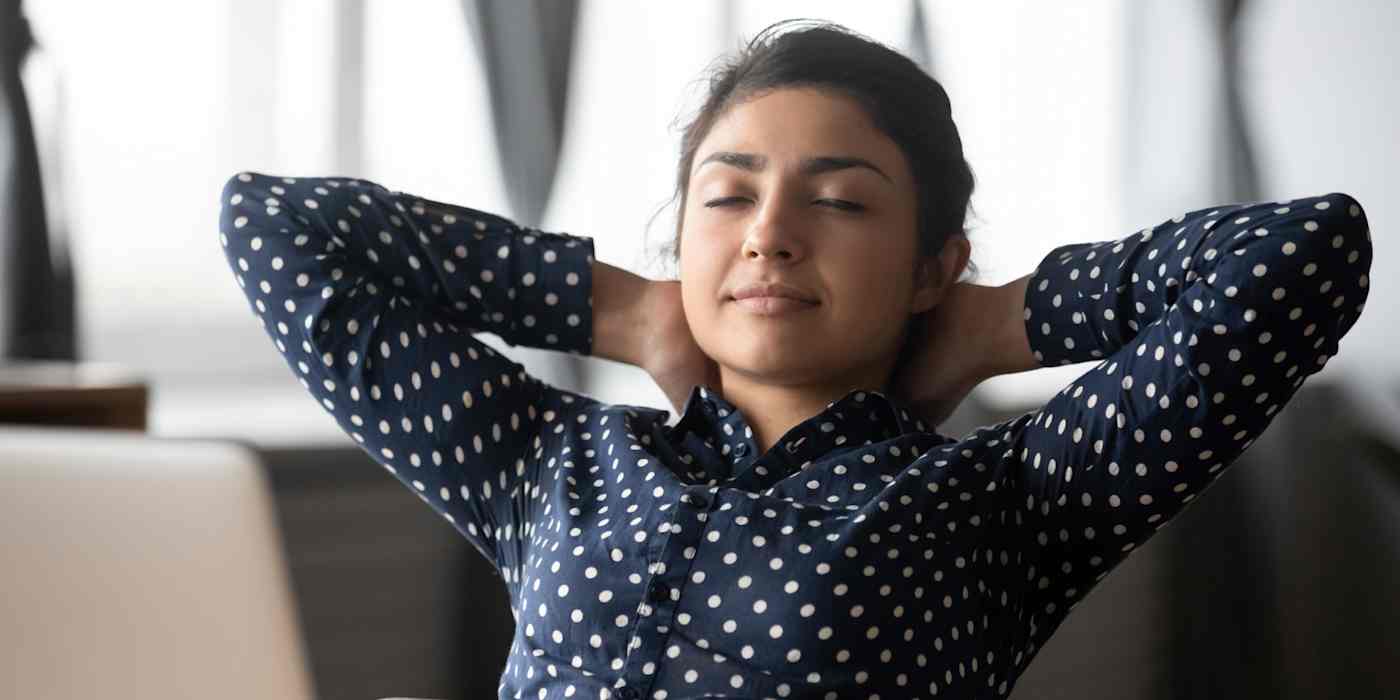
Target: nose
pixel 771 235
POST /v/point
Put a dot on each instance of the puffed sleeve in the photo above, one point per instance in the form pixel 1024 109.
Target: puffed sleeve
pixel 372 297
pixel 1204 327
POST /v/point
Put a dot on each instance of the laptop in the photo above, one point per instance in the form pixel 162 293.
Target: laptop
pixel 142 567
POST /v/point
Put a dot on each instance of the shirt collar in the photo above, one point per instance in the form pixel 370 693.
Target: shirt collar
pixel 706 408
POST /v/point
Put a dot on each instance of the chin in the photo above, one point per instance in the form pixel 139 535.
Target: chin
pixel 775 365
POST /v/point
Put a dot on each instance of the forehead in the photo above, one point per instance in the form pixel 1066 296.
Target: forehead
pixel 788 125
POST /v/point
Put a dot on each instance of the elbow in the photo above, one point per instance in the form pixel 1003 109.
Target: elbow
pixel 242 195
pixel 1340 246
pixel 231 200
pixel 1349 203
pixel 237 184
pixel 1342 232
pixel 1345 213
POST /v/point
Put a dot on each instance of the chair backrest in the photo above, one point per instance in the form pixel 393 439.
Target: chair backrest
pixel 141 567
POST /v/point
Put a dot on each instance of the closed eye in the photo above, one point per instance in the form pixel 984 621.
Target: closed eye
pixel 839 204
pixel 843 204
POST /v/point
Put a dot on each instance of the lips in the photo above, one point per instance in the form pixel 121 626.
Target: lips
pixel 772 306
pixel 777 290
pixel 774 299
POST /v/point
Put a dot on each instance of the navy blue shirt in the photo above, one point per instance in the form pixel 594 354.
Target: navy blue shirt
pixel 864 555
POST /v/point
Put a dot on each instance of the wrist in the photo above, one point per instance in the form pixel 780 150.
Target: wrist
pixel 1011 350
pixel 619 317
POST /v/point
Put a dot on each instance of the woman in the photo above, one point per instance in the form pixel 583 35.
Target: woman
pixel 801 531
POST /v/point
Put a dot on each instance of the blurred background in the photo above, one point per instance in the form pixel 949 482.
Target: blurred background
pixel 1082 122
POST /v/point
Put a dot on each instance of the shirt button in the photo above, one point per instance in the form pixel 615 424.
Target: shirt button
pixel 700 500
pixel 659 592
pixel 741 450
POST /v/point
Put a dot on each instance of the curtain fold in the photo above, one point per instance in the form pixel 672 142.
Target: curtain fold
pixel 1237 147
pixel 526 50
pixel 919 49
pixel 37 319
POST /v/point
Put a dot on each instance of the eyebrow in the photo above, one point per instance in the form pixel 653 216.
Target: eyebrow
pixel 814 165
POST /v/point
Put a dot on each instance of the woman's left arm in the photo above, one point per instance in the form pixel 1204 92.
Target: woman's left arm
pixel 1205 326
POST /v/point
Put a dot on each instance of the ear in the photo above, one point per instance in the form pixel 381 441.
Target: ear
pixel 934 276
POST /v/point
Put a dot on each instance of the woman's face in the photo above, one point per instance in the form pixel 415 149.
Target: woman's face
pixel 798 187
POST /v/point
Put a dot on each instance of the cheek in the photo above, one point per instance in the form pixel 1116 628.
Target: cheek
pixel 701 259
pixel 869 290
pixel 699 286
pixel 867 271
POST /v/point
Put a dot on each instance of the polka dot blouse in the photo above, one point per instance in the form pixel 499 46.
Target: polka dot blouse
pixel 863 555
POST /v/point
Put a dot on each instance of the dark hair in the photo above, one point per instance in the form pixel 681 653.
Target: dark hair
pixel 902 100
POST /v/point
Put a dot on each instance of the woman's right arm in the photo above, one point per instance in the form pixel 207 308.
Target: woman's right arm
pixel 372 297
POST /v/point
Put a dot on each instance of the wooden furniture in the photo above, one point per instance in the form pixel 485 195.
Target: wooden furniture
pixel 83 394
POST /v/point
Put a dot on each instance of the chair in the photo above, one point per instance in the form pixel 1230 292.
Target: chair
pixel 140 567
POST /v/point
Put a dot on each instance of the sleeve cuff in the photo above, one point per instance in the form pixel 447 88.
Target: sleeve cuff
pixel 554 307
pixel 1062 313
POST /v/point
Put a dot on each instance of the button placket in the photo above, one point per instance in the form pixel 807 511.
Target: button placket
pixel 648 629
